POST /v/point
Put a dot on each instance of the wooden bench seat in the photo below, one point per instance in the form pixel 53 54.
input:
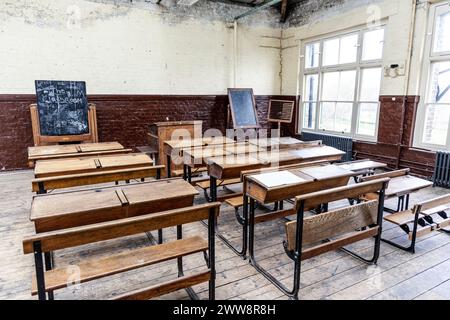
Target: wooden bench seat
pixel 42 185
pixel 235 202
pixel 205 184
pixel 423 218
pixel 179 173
pixel 55 278
pixel 165 288
pixel 129 260
pixel 400 218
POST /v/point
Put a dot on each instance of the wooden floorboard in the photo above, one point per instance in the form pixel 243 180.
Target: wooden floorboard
pixel 334 275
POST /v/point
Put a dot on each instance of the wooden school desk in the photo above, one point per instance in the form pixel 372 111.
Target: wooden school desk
pixel 197 157
pixel 63 173
pixel 76 208
pixel 176 147
pixel 313 178
pixel 231 167
pixel 73 150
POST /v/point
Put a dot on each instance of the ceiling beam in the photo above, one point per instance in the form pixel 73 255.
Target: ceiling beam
pixel 257 8
pixel 283 11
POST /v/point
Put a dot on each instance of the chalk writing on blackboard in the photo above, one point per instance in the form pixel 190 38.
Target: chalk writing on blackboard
pixel 243 108
pixel 62 107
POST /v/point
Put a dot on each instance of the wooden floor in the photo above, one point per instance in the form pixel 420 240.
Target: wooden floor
pixel 335 275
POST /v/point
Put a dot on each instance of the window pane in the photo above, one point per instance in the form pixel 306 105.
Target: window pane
pixel 336 116
pixel 370 84
pixel 442 33
pixel 440 83
pixel 340 50
pixel 309 115
pixel 367 119
pixel 348 49
pixel 437 121
pixel 312 55
pixel 311 84
pixel 330 52
pixel 339 86
pixel 373 43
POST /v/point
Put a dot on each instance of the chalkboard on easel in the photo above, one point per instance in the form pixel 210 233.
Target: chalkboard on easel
pixel 243 108
pixel 62 107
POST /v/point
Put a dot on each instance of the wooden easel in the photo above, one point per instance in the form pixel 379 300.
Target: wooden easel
pixel 40 140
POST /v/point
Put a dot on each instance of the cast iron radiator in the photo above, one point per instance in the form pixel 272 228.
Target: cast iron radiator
pixel 342 143
pixel 441 176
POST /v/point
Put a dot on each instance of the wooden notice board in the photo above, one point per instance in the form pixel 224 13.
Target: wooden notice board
pixel 243 108
pixel 281 111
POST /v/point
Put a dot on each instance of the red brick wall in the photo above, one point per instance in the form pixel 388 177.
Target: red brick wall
pixel 395 135
pixel 123 118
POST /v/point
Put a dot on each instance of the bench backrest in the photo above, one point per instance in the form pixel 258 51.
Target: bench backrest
pixel 346 192
pixel 285 167
pixel 390 174
pixel 337 222
pixel 66 238
pixel 333 223
pixel 441 203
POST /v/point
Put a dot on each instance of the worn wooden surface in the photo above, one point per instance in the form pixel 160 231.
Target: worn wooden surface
pixel 60 167
pixel 334 275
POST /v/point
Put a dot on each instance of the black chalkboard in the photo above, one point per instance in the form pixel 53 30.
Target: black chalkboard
pixel 62 107
pixel 243 108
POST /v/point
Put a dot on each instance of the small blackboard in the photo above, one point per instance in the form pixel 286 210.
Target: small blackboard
pixel 281 111
pixel 243 109
pixel 62 107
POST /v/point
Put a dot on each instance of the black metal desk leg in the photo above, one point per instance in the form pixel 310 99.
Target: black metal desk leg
pixel 169 163
pixel 185 177
pixel 213 189
pixel 189 174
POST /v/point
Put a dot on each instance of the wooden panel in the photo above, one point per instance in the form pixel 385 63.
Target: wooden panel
pixel 406 184
pixel 72 209
pixel 435 205
pixel 339 243
pixel 316 178
pixel 346 192
pixel 391 174
pixel 240 148
pixel 77 155
pixel 100 146
pixel 166 287
pixel 49 168
pixel 125 161
pixel 66 238
pixel 74 180
pixel 125 261
pixel 334 223
pixel 206 184
pixel 402 217
pixel 39 151
pixel 325 172
pixel 362 165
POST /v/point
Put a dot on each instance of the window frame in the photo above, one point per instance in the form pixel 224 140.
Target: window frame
pixel 358 66
pixel 431 57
